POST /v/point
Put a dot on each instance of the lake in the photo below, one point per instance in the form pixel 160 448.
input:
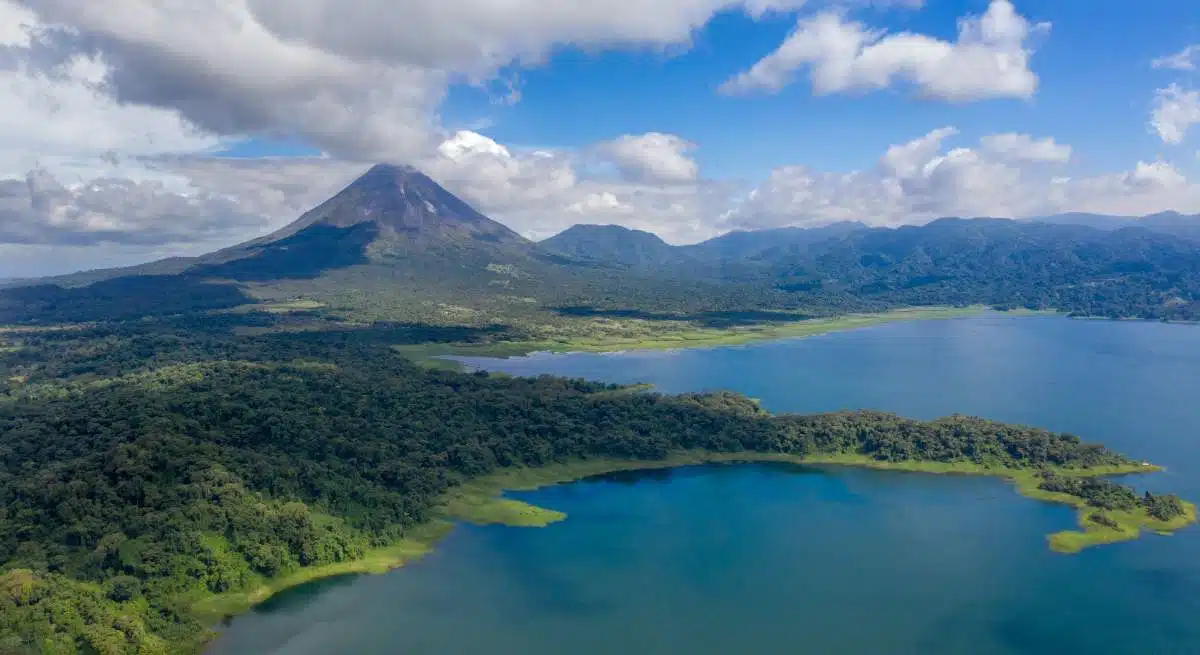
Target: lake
pixel 786 559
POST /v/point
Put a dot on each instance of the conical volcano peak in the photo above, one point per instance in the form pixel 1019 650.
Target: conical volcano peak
pixel 387 172
pixel 402 202
pixel 392 169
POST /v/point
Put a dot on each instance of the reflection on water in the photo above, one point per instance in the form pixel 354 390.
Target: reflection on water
pixel 298 598
pixel 635 476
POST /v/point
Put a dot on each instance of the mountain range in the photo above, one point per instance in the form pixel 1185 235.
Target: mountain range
pixel 395 245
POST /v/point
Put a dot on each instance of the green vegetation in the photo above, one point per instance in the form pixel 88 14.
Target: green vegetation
pixel 634 334
pixel 210 608
pixel 289 306
pixel 154 481
pixel 501 511
pixel 1108 512
pixel 180 440
pixel 1099 527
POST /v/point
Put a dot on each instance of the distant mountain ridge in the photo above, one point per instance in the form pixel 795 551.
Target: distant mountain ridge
pixel 395 245
pixel 622 247
pixel 1170 222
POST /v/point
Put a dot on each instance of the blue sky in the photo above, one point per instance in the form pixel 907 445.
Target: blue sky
pixel 134 131
pixel 1095 91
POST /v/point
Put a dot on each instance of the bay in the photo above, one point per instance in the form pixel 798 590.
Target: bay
pixel 785 559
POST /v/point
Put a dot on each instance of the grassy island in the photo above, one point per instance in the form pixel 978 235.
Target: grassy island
pixel 140 507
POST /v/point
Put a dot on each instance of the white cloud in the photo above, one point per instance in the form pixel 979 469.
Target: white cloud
pixel 216 65
pixel 491 176
pixel 651 157
pixel 907 159
pixel 599 203
pixel 41 210
pixel 1022 147
pixel 915 182
pixel 16 22
pixel 1184 60
pixel 360 79
pixel 1156 176
pixel 61 117
pixel 540 193
pixel 990 58
pixel 276 190
pixel 1175 110
pixel 166 205
pixel 479 36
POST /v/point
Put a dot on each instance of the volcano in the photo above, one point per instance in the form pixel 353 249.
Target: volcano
pixel 400 203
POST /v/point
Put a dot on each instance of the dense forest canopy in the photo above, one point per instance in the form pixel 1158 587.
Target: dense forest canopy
pixel 141 472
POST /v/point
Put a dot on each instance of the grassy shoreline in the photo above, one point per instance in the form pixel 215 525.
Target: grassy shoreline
pixel 480 501
pixel 691 337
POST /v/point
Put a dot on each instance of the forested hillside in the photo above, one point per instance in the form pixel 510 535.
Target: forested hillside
pixel 140 475
pixel 1129 272
pixel 395 246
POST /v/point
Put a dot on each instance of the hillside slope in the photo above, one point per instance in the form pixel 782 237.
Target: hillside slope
pixel 396 246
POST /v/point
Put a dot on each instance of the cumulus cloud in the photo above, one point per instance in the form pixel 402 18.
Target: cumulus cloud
pixel 478 36
pixel 41 210
pixel 1184 60
pixel 170 202
pixel 906 160
pixel 16 24
pixel 219 68
pixel 1022 147
pixel 1175 110
pixel 651 157
pixel 490 175
pixel 58 113
pixel 1006 175
pixel 603 202
pixel 990 58
pixel 542 192
pixel 360 79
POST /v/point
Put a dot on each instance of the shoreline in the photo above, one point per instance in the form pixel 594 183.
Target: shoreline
pixel 435 355
pixel 481 502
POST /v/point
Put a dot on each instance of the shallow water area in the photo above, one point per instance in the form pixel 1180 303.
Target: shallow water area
pixel 781 558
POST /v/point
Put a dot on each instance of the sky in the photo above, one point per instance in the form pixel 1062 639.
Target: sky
pixel 132 130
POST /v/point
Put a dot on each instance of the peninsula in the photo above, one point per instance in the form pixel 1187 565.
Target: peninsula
pixel 157 502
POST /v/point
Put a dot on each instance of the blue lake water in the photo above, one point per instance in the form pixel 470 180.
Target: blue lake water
pixel 782 559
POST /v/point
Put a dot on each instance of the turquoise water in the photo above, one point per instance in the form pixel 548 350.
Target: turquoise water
pixel 784 559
